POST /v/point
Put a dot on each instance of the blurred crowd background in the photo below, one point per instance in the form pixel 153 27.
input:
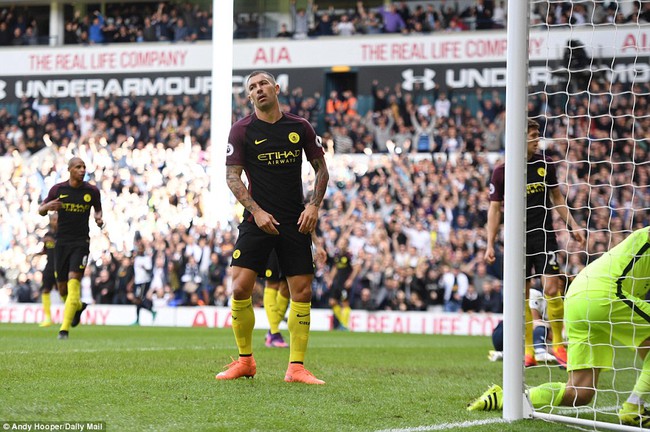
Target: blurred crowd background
pixel 192 21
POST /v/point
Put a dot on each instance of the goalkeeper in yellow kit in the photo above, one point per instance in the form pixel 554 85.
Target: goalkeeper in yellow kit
pixel 605 303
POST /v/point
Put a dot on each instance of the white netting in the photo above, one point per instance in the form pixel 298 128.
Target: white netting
pixel 589 90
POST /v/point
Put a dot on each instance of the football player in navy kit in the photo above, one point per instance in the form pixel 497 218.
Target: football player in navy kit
pixel 269 146
pixel 72 200
pixel 542 195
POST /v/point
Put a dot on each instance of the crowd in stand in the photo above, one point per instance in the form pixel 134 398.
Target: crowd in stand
pixel 187 22
pixel 162 22
pixel 407 199
pixel 412 215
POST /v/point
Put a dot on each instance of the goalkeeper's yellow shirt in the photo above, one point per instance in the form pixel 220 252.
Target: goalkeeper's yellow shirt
pixel 623 269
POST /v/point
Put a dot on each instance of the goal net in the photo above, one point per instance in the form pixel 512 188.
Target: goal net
pixel 588 88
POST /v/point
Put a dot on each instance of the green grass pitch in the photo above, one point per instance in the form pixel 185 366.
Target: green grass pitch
pixel 162 379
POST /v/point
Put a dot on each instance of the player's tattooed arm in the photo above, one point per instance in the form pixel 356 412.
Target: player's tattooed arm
pixel 238 188
pixel 322 177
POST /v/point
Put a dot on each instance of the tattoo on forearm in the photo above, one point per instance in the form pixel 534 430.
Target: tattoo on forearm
pixel 238 188
pixel 320 186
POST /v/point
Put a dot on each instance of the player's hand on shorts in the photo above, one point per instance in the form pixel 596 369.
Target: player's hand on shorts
pixel 266 222
pixel 308 219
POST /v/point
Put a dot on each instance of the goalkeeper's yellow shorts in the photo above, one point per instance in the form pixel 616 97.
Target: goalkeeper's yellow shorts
pixel 598 322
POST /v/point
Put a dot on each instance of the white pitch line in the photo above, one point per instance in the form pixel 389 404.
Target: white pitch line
pixel 448 426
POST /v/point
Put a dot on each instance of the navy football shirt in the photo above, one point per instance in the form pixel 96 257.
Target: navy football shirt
pixel 75 210
pixel 271 154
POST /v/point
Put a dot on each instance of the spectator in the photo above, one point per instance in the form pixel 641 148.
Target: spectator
pixel 181 32
pixel 471 301
pixel 393 21
pixel 365 301
pixel 124 280
pixel 5 34
pixel 442 105
pixel 284 32
pixel 103 287
pixel 148 31
pixel 492 296
pixel 380 125
pixel 423 138
pixel 323 26
pixel 18 38
pixel 302 19
pixel 96 29
pixel 24 291
pixel 86 114
pixel 164 29
pixel 370 22
pixel 344 27
pixel 456 285
pixel 499 15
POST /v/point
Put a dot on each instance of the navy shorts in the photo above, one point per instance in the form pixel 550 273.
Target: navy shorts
pixel 338 291
pixel 70 258
pixel 253 249
pixel 541 255
pixel 49 278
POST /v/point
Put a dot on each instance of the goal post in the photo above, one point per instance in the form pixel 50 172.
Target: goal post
pixel 221 110
pixel 515 209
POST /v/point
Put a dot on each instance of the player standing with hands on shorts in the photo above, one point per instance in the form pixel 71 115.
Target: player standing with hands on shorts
pixel 269 146
pixel 72 200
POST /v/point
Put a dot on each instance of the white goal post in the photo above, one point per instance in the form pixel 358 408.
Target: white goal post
pixel 515 209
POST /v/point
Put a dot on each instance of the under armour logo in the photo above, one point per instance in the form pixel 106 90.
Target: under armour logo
pixel 426 80
pixel 3 94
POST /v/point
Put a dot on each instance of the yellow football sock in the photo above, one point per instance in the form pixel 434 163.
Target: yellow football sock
pixel 47 305
pixel 270 296
pixel 336 310
pixel 243 322
pixel 72 303
pixel 547 394
pixel 281 306
pixel 529 348
pixel 345 315
pixel 299 320
pixel 555 310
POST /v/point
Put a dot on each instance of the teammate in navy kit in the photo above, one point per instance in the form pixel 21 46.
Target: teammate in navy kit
pixel 542 195
pixel 269 147
pixel 72 200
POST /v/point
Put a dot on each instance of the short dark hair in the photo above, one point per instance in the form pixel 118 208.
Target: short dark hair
pixel 260 72
pixel 533 124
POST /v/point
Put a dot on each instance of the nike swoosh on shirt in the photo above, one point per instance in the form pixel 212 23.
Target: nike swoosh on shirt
pixel 63 196
pixel 260 141
pixel 302 315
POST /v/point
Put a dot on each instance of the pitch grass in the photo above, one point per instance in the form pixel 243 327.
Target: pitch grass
pixel 162 379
